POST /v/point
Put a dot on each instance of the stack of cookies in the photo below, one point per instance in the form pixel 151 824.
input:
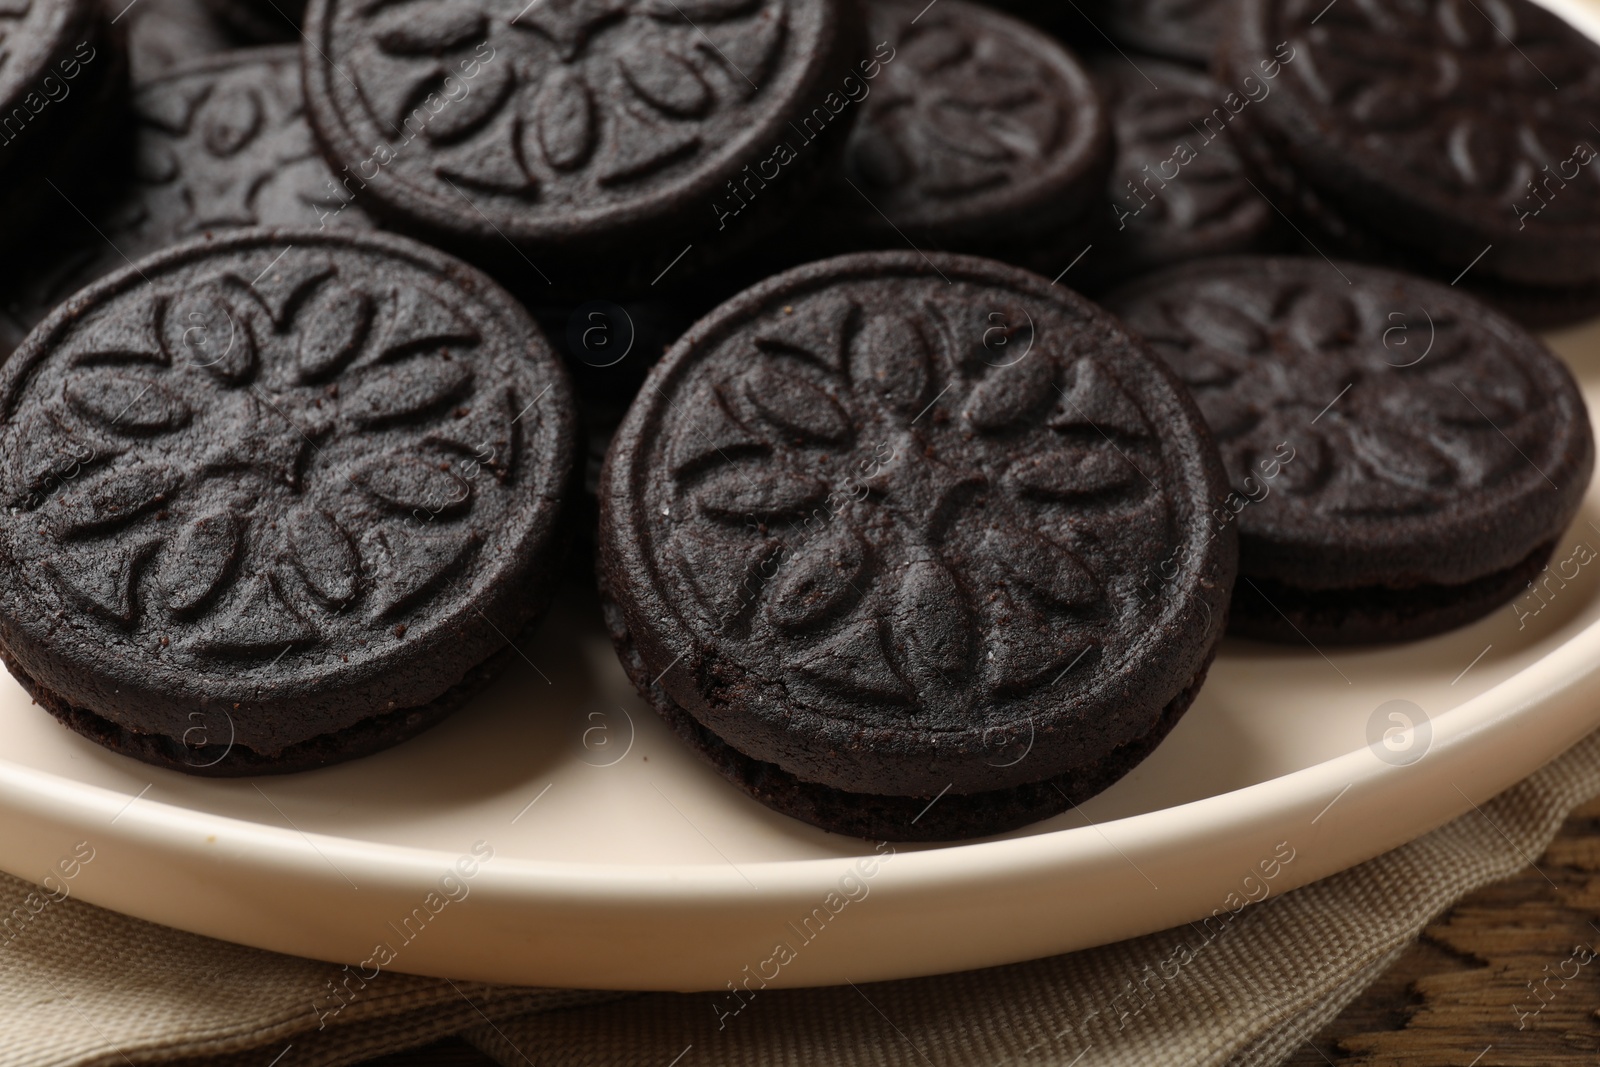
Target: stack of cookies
pixel 953 377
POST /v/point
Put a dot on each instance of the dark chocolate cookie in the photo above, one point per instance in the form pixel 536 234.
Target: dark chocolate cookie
pixel 1185 30
pixel 163 34
pixel 276 498
pixel 62 81
pixel 1455 133
pixel 1179 189
pixel 887 529
pixel 583 144
pixel 217 144
pixel 1403 457
pixel 980 135
pixel 260 21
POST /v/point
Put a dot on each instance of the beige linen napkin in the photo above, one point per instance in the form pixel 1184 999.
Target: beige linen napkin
pixel 81 985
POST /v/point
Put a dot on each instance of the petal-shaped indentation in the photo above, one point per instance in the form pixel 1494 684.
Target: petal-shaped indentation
pixel 204 329
pixel 461 116
pixel 333 331
pixel 667 82
pixel 820 580
pixel 796 405
pixel 709 435
pixel 747 48
pixel 114 498
pixel 1402 458
pixel 411 564
pixel 1220 325
pixel 814 331
pixel 1097 403
pixel 323 555
pixel 932 627
pixel 944 172
pixel 421 320
pixel 1298 468
pixel 494 164
pixel 1480 156
pixel 636 148
pixel 199 561
pixel 851 664
pixel 562 119
pixel 1052 572
pixel 484 430
pixel 125 403
pixel 257 625
pixel 409 390
pixel 1203 366
pixel 429 29
pixel 283 289
pixel 230 119
pixel 889 356
pixel 43 453
pixel 101 580
pixel 963 130
pixel 932 49
pixel 1026 659
pixel 765 493
pixel 728 585
pixel 1320 319
pixel 1012 395
pixel 569 24
pixel 129 333
pixel 266 442
pixel 409 485
pixel 1447 403
pixel 1073 473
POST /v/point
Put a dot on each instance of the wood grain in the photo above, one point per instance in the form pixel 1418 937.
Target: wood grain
pixel 1508 978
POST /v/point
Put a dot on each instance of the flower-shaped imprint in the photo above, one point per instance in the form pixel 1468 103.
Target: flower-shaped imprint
pixel 219 144
pixel 1445 126
pixel 305 477
pixel 583 124
pixel 1178 187
pixel 1179 29
pixel 1379 429
pixel 882 518
pixel 979 128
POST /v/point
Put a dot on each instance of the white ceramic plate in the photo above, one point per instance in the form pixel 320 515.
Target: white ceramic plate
pixel 616 860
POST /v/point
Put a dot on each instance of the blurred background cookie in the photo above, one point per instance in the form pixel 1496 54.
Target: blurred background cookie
pixel 1453 138
pixel 216 144
pixel 1403 458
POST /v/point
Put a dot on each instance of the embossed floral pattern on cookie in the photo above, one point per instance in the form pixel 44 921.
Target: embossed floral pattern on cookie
pixel 261 457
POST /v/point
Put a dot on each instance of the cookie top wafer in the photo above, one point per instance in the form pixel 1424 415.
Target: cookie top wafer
pixel 302 477
pixel 980 129
pixel 878 512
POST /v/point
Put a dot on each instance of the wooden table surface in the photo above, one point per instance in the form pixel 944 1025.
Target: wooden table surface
pixel 1510 977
